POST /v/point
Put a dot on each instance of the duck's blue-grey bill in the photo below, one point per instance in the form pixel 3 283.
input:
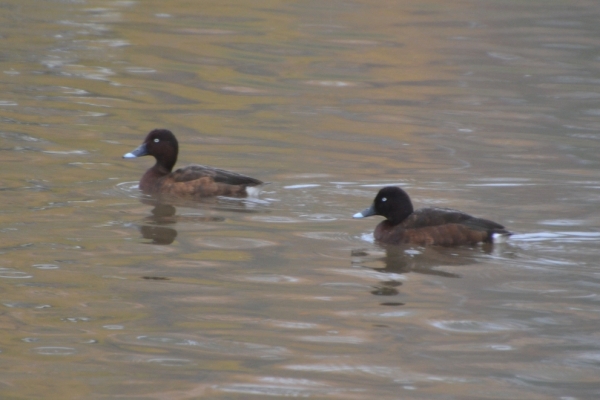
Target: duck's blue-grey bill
pixel 140 151
pixel 367 212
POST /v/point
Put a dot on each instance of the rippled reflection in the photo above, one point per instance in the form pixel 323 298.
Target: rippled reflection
pixel 162 214
pixel 424 260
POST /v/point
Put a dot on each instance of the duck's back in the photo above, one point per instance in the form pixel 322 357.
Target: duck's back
pixel 441 226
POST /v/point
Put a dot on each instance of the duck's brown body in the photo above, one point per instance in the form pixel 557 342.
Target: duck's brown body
pixel 444 227
pixel 194 181
pixel 427 226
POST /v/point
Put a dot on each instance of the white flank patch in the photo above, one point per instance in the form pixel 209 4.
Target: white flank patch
pixel 500 237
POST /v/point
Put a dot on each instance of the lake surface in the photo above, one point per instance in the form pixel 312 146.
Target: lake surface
pixel 491 107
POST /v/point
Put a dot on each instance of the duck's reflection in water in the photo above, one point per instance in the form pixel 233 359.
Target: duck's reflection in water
pixel 155 226
pixel 158 234
pixel 395 259
pixel 164 212
pixel 156 231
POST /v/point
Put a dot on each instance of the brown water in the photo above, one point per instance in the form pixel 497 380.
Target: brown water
pixel 492 107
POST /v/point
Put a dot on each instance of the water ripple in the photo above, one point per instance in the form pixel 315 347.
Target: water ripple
pixel 271 278
pixel 282 387
pixel 333 236
pixel 46 266
pixel 554 289
pixel 332 339
pixel 10 273
pixel 274 219
pixel 54 351
pixel 398 375
pixel 131 189
pixel 236 243
pixel 471 326
pixel 205 344
pixel 565 237
pixel 171 362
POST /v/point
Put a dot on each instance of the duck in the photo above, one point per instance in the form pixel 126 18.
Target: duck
pixel 427 226
pixel 193 181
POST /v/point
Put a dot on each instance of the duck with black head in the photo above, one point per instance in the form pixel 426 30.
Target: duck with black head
pixel 194 181
pixel 427 226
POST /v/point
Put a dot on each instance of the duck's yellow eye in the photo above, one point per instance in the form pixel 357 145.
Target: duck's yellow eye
pixel 384 199
pixel 156 140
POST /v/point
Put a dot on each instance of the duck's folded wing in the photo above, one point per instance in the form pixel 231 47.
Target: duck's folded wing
pixel 194 172
pixel 485 225
pixel 441 216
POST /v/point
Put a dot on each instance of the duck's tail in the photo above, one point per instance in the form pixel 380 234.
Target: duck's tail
pixel 500 235
pixel 254 191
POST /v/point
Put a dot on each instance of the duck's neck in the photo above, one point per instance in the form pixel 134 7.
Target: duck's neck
pixel 166 164
pixel 160 169
pixel 151 177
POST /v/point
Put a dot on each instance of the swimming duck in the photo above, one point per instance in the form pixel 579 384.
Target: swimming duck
pixel 194 181
pixel 427 226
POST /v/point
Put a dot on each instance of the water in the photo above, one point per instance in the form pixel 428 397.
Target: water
pixel 489 107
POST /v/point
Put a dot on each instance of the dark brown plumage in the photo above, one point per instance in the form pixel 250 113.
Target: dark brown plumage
pixel 194 181
pixel 427 226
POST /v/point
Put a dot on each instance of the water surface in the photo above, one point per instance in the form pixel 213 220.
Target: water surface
pixel 490 107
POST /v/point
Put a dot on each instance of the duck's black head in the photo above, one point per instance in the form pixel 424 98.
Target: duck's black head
pixel 392 203
pixel 162 145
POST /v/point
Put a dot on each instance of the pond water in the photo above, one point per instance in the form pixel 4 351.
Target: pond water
pixel 491 107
